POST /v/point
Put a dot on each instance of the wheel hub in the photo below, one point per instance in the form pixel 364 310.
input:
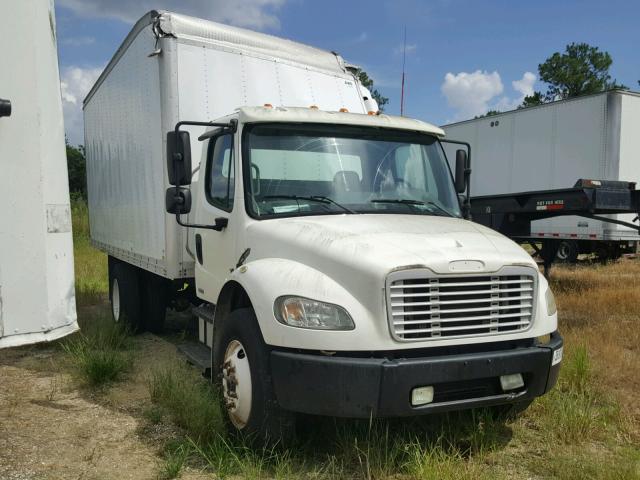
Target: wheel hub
pixel 115 300
pixel 236 384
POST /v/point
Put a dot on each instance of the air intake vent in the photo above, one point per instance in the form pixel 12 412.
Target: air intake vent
pixel 422 306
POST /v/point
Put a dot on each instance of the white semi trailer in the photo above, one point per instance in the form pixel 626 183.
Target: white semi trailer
pixel 323 242
pixel 37 295
pixel 552 146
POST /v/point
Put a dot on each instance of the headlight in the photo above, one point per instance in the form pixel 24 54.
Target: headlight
pixel 551 303
pixel 306 313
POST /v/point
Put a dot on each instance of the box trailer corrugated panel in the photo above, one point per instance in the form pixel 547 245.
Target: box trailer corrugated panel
pixel 551 146
pixel 37 293
pixel 630 137
pixel 170 68
pixel 125 175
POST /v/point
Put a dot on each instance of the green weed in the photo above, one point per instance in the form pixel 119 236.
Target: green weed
pixel 100 353
pixel 189 401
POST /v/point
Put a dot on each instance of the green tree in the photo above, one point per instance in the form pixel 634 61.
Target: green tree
pixel 77 170
pixel 490 113
pixel 580 70
pixel 367 82
pixel 532 100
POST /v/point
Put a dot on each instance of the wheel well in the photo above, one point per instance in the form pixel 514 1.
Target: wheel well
pixel 232 297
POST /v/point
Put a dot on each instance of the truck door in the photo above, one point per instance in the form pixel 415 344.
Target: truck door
pixel 216 250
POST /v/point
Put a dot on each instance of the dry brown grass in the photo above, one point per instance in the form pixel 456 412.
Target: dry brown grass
pixel 599 307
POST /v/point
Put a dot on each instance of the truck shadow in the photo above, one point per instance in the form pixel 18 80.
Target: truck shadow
pixel 464 433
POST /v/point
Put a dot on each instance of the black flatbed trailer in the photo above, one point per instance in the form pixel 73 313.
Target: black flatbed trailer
pixel 511 214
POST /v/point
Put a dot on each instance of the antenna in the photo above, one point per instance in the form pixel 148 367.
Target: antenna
pixel 404 58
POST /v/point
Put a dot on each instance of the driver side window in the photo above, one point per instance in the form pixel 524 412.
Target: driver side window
pixel 220 175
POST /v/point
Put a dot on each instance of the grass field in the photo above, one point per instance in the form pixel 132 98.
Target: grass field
pixel 587 428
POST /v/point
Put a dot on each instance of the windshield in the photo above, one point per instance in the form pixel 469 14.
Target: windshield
pixel 319 169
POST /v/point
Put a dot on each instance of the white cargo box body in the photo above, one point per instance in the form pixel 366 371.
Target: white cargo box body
pixel 170 68
pixel 37 295
pixel 552 146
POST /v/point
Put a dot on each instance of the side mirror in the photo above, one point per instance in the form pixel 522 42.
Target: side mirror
pixel 5 108
pixel 177 200
pixel 179 158
pixel 461 171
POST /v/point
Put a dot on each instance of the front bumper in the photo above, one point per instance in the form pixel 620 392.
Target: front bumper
pixel 381 387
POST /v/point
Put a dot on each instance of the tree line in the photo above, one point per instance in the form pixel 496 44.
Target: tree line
pixel 581 69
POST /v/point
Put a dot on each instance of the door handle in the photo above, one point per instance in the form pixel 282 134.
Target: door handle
pixel 199 248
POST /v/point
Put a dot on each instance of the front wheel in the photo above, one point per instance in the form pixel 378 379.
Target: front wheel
pixel 241 370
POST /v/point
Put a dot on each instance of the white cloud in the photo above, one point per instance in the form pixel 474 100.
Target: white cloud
pixel 525 84
pixel 524 87
pixel 258 14
pixel 75 83
pixel 470 93
pixel 410 48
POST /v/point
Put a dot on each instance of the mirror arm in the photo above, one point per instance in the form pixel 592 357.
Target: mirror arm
pixel 232 125
pixel 221 224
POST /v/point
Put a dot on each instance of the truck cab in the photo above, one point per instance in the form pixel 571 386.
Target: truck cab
pixel 339 275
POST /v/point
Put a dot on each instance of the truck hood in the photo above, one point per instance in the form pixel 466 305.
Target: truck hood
pixel 378 244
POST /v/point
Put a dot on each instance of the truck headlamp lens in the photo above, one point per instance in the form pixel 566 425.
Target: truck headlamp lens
pixel 306 313
pixel 551 303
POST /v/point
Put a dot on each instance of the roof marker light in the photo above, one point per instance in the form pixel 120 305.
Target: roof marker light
pixel 371 112
pixel 314 107
pixel 344 110
pixel 267 105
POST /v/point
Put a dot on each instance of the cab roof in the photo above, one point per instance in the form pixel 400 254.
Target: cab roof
pixel 311 115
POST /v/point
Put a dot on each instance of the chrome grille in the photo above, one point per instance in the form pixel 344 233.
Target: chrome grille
pixel 424 307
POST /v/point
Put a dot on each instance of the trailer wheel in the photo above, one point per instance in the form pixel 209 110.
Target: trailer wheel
pixel 241 370
pixel 567 251
pixel 154 290
pixel 125 296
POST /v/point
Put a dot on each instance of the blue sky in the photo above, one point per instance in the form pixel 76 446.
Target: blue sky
pixel 463 56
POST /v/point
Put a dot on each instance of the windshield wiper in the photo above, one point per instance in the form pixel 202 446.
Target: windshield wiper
pixel 410 201
pixel 315 198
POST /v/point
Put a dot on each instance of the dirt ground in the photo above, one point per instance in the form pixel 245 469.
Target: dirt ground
pixel 51 429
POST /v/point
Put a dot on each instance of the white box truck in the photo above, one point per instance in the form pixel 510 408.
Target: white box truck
pixel 37 292
pixel 552 146
pixel 324 246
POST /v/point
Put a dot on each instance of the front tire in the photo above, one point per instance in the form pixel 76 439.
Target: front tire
pixel 241 370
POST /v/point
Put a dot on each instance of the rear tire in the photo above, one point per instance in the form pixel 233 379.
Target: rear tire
pixel 125 296
pixel 155 292
pixel 242 373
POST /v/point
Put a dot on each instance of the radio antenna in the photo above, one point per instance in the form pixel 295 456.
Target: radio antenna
pixel 404 58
